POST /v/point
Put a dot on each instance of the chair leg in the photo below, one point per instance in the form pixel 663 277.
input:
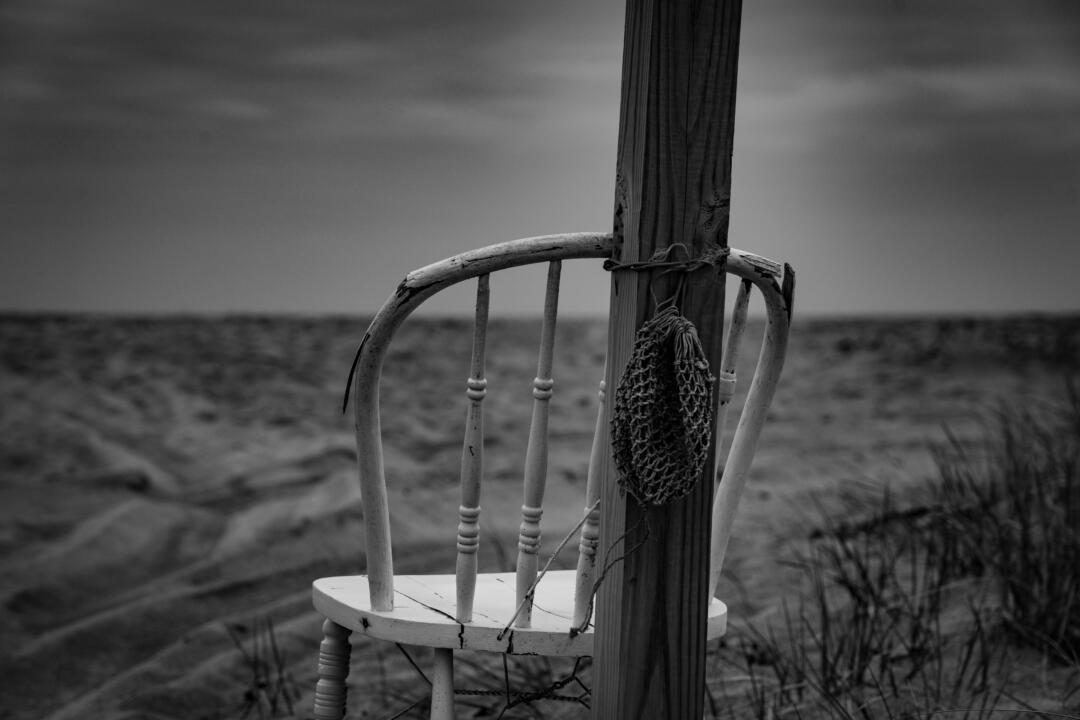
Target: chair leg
pixel 442 685
pixel 330 691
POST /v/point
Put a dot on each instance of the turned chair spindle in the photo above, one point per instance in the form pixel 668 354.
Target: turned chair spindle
pixel 725 379
pixel 590 531
pixel 472 460
pixel 536 454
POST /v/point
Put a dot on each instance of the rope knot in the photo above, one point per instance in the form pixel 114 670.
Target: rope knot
pixel 712 256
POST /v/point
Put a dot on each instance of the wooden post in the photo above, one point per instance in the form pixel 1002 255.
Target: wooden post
pixel 673 181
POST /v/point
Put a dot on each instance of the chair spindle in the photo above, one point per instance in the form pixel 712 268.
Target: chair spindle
pixel 726 381
pixel 590 531
pixel 472 460
pixel 536 454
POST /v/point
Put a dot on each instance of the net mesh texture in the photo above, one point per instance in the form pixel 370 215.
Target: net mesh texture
pixel 662 416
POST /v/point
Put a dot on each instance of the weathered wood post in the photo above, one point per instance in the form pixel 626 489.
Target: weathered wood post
pixel 673 181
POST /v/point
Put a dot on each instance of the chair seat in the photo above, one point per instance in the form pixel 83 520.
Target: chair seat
pixel 424 609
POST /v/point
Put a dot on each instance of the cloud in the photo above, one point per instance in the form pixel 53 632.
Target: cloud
pixel 914 77
pixel 276 72
pixel 198 122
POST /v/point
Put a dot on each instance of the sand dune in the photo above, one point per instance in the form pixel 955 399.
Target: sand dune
pixel 168 484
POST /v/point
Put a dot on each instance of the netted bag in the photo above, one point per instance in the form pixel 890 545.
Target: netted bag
pixel 662 416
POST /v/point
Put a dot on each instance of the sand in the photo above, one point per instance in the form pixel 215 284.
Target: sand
pixel 169 485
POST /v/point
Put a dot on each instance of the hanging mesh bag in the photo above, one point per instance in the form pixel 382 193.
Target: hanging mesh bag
pixel 662 417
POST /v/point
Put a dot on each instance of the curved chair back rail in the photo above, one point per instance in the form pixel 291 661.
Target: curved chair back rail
pixel 421 284
pixel 732 471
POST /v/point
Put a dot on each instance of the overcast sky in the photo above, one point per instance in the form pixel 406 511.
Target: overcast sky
pixel 279 155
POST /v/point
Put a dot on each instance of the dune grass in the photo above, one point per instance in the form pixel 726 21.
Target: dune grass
pixel 1015 519
pixel 271 691
pixel 939 609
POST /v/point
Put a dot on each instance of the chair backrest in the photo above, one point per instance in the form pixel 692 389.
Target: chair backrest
pixel 422 284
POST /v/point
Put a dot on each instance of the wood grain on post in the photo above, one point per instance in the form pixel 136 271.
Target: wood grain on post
pixel 673 180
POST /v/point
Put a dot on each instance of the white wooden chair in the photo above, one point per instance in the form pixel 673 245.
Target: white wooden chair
pixel 504 612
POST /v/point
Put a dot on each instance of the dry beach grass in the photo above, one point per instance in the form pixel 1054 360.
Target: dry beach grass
pixel 171 486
